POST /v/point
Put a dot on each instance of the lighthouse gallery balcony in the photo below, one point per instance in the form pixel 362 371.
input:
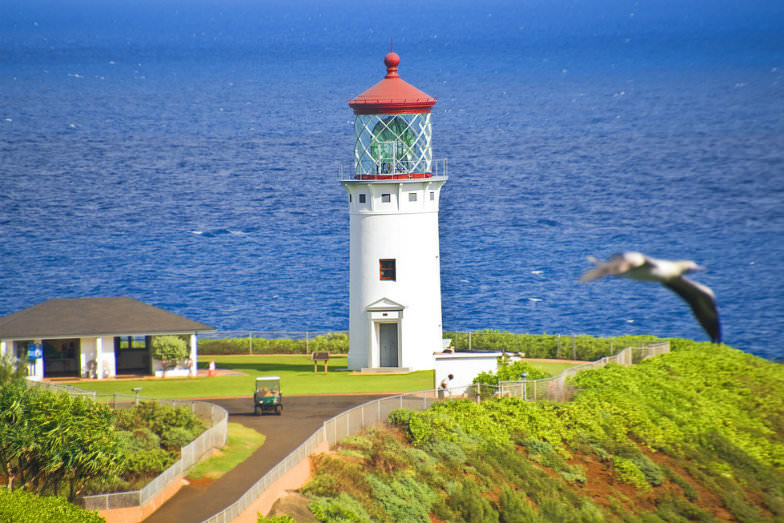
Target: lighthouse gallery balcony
pixel 394 171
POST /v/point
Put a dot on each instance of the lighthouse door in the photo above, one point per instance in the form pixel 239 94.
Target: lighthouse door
pixel 387 342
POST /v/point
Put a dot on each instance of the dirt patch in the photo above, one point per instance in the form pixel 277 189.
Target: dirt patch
pixel 295 505
pixel 201 483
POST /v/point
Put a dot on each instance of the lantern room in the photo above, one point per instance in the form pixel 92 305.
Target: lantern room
pixel 392 129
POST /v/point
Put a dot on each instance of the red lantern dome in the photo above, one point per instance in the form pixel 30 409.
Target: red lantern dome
pixel 392 95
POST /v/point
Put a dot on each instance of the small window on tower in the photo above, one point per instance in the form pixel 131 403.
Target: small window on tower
pixel 349 198
pixel 386 198
pixel 412 197
pixel 432 195
pixel 362 198
pixel 387 269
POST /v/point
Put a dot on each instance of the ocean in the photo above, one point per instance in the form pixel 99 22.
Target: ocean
pixel 185 154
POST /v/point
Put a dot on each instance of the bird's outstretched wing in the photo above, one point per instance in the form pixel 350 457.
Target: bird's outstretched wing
pixel 702 302
pixel 615 266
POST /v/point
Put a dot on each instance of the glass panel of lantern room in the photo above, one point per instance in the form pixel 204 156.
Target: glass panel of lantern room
pixel 389 144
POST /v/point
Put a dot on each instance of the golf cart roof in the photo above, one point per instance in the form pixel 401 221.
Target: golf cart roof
pixel 267 378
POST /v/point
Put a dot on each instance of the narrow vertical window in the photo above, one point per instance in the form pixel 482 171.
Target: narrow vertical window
pixel 349 198
pixel 387 269
pixel 432 195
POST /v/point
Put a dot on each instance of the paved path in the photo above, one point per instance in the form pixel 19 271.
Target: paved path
pixel 301 417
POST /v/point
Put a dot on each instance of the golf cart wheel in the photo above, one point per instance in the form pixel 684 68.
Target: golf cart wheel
pixel 256 410
pixel 278 409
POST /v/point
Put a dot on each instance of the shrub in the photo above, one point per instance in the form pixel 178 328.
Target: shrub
pixel 515 508
pixel 404 498
pixel 510 372
pixel 341 509
pixel 467 503
pixel 20 506
pixel 169 350
pixel 55 441
pixel 275 519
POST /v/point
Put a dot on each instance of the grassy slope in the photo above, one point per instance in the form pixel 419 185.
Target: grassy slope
pixel 694 435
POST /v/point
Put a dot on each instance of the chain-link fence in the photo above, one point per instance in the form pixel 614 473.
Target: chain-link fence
pixel 557 387
pixel 580 347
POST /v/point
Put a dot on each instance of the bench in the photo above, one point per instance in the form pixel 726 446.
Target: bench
pixel 320 356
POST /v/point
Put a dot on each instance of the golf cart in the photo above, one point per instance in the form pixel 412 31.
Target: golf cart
pixel 266 396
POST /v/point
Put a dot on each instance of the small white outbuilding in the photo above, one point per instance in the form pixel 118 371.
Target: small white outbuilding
pixel 94 338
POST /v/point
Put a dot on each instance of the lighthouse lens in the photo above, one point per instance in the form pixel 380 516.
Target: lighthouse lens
pixel 392 144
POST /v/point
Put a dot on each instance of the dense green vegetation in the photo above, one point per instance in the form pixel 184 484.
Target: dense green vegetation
pixel 511 371
pixel 334 343
pixel 54 444
pixel 553 346
pixel 19 506
pixel 693 435
pixel 150 437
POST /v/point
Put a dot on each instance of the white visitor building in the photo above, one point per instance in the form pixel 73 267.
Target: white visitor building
pixel 94 338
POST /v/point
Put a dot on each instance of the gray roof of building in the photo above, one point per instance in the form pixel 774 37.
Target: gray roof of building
pixel 89 317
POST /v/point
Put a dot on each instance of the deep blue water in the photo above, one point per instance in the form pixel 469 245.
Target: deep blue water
pixel 184 154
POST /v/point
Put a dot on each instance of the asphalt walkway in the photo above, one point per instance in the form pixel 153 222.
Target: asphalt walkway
pixel 302 415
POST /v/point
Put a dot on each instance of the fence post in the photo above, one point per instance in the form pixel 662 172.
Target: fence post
pixel 307 344
pixel 250 343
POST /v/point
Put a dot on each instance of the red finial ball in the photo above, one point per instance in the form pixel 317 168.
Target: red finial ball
pixel 391 59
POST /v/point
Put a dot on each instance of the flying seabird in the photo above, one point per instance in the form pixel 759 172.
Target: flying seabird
pixel 637 266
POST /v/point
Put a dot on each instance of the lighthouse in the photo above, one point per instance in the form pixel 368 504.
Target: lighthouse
pixel 393 192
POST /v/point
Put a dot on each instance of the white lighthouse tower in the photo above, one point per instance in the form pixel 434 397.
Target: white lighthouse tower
pixel 393 194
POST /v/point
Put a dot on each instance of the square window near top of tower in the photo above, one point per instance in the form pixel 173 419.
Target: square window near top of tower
pixel 362 198
pixel 387 269
pixel 412 197
pixel 386 197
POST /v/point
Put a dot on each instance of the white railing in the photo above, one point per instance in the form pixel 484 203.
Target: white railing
pixel 397 171
pixel 556 388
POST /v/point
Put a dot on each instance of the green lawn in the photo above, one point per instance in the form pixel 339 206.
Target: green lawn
pixel 295 371
pixel 241 442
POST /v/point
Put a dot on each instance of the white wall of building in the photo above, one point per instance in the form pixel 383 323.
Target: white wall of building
pixel 404 229
pixel 464 367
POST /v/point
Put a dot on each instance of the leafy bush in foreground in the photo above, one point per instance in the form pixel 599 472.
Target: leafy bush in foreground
pixel 20 506
pixel 693 435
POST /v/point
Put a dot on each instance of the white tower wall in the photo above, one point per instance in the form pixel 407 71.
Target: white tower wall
pixel 404 229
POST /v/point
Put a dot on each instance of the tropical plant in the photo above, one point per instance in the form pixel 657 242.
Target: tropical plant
pixel 50 442
pixel 11 370
pixel 169 350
